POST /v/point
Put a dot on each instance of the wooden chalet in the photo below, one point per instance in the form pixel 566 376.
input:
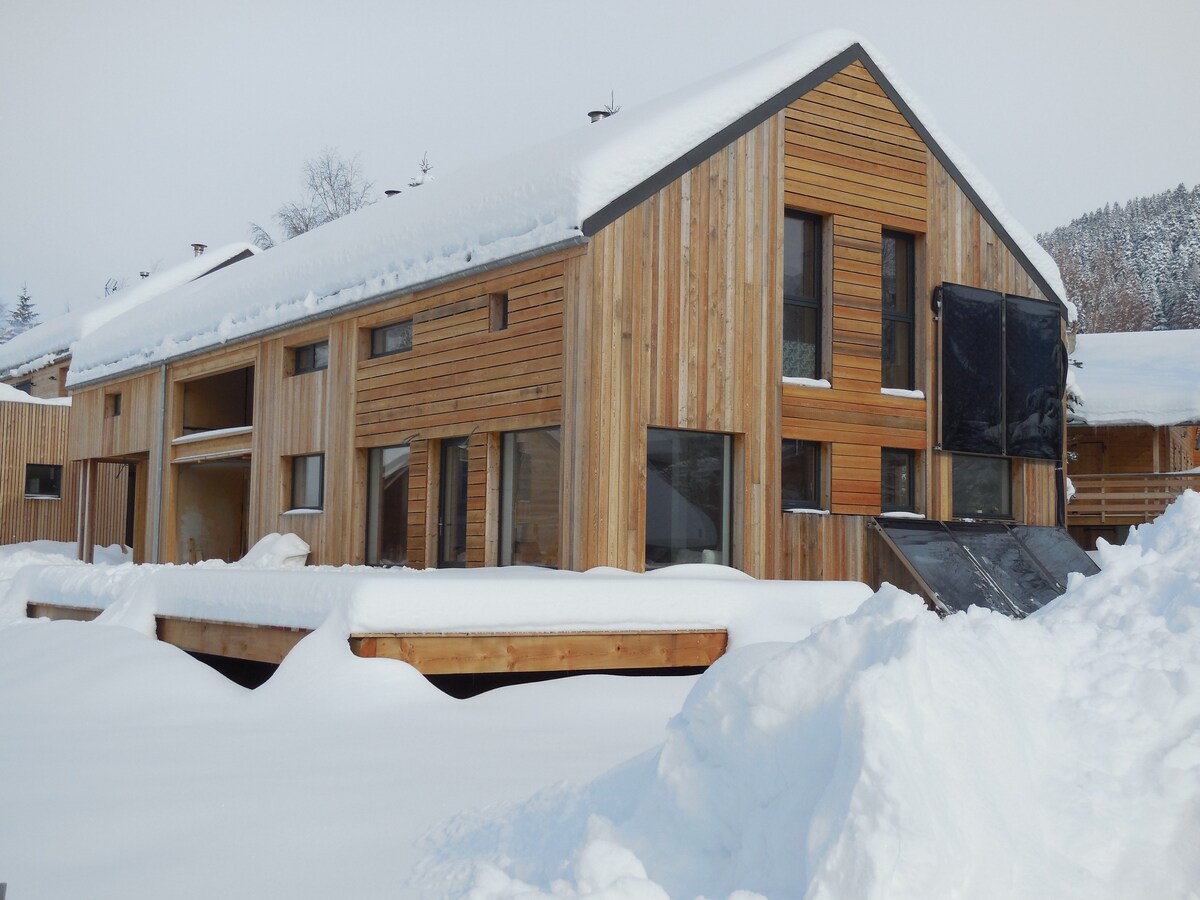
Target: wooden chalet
pixel 39 486
pixel 747 351
pixel 1134 438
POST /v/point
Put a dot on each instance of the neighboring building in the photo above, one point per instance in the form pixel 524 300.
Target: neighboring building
pixel 736 325
pixel 36 363
pixel 1134 438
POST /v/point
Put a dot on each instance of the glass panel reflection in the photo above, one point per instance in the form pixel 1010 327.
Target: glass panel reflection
pixel 1033 401
pixel 687 497
pixel 387 506
pixel 972 370
pixel 529 498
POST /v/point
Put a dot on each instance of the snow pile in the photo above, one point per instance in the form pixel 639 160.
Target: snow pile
pixel 528 202
pixel 9 394
pixel 1138 378
pixel 53 339
pixel 277 550
pixel 893 754
pixel 14 557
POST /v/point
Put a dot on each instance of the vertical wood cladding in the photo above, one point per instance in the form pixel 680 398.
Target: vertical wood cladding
pixel 673 321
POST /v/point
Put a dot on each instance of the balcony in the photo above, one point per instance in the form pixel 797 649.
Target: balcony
pixel 1125 499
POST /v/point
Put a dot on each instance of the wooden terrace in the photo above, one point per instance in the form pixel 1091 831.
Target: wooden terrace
pixel 1125 499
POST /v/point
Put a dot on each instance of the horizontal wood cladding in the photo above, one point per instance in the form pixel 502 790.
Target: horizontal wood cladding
pixel 674 321
pixel 460 373
pixel 849 152
pixel 97 434
pixel 47 382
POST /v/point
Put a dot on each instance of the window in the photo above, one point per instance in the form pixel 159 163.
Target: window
pixel 800 475
pixel 387 506
pixel 452 510
pixel 310 358
pixel 112 405
pixel 43 482
pixel 397 338
pixel 498 311
pixel 25 386
pixel 529 490
pixel 801 295
pixel 308 481
pixel 688 492
pixel 982 487
pixel 899 290
pixel 897 477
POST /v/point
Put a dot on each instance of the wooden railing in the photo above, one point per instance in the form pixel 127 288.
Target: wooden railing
pixel 1125 499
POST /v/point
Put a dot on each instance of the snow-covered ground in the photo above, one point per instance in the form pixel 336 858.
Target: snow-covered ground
pixel 887 754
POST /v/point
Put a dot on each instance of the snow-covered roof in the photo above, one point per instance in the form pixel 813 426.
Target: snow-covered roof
pixel 1139 378
pixel 550 195
pixel 9 394
pixel 53 339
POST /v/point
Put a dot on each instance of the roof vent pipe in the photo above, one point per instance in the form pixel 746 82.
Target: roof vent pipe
pixel 597 114
pixel 144 274
pixel 199 248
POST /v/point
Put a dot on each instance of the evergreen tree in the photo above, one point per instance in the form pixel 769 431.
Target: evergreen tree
pixel 23 317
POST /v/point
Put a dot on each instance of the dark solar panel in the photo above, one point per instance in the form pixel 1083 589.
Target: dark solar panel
pixel 1056 550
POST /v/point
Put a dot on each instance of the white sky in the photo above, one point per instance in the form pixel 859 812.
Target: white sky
pixel 132 128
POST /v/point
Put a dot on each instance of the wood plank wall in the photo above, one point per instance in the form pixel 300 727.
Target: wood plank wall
pixel 47 382
pixel 673 321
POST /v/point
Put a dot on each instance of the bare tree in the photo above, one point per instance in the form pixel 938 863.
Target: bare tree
pixel 425 166
pixel 333 186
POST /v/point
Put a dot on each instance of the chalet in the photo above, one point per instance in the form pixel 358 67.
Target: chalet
pixel 1134 434
pixel 771 321
pixel 39 487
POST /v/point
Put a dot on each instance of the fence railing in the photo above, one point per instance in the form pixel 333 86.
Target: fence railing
pixel 1125 499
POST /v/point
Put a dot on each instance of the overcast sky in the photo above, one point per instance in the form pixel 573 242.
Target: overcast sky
pixel 132 129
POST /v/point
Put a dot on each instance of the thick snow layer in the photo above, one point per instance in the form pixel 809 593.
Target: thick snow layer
pixel 53 339
pixel 9 394
pixel 893 754
pixel 1138 378
pixel 524 203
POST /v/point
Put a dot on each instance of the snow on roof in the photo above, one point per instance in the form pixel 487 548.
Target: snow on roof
pixel 53 339
pixel 9 394
pixel 525 203
pixel 1140 378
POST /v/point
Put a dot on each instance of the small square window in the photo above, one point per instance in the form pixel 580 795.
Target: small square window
pixel 897 474
pixel 112 405
pixel 395 338
pixel 800 475
pixel 308 481
pixel 43 481
pixel 498 311
pixel 310 358
pixel 25 387
pixel 982 487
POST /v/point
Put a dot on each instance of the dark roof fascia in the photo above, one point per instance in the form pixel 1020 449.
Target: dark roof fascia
pixel 854 53
pixel 328 314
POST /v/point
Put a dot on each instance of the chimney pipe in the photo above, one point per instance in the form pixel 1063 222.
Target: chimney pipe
pixel 144 274
pixel 597 115
pixel 199 248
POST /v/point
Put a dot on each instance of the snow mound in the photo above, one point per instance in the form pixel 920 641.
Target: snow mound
pixel 893 754
pixel 276 550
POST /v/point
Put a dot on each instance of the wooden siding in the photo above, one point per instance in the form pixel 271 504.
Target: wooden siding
pixel 673 321
pixel 47 382
pixel 97 435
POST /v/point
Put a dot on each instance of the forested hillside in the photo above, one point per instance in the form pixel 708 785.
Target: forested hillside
pixel 1133 267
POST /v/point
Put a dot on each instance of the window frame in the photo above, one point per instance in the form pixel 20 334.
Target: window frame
pixel 1009 483
pixel 498 311
pixel 818 503
pixel 313 363
pixel 908 318
pixel 299 461
pixel 726 541
pixel 55 479
pixel 910 457
pixel 374 504
pixel 112 405
pixel 802 302
pixel 378 338
pixel 460 448
pixel 508 499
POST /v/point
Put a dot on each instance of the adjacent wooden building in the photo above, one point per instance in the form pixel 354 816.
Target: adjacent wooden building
pixel 734 355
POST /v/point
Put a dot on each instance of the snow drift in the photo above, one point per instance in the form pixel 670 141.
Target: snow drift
pixel 893 754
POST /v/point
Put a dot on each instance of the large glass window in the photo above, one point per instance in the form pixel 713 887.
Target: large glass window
pixel 801 295
pixel 688 491
pixel 387 506
pixel 308 481
pixel 452 509
pixel 43 481
pixel 897 476
pixel 899 289
pixel 529 489
pixel 982 487
pixel 800 475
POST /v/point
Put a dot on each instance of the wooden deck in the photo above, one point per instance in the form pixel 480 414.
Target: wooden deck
pixel 444 654
pixel 1125 499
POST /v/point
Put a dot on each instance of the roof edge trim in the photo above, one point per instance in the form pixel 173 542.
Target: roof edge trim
pixel 727 135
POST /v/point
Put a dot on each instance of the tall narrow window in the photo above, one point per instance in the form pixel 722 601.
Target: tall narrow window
pixel 308 481
pixel 529 490
pixel 800 475
pixel 801 295
pixel 498 311
pixel 982 487
pixel 387 506
pixel 897 478
pixel 899 289
pixel 452 510
pixel 43 482
pixel 688 497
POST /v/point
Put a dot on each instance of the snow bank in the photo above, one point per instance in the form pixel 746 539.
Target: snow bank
pixel 893 754
pixel 14 557
pixel 1138 378
pixel 524 203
